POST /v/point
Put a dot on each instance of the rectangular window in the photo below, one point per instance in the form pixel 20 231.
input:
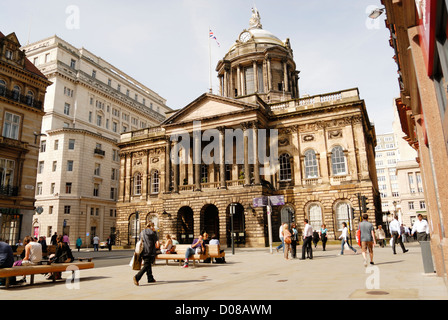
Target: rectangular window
pixel 99 120
pixel 90 116
pixel 96 189
pixel 39 188
pixel 422 205
pixel 68 187
pixel 56 144
pixel 113 193
pixel 7 173
pixel 71 144
pixel 260 79
pixel 55 166
pixel 411 205
pixel 43 146
pixel 97 170
pixel 73 64
pixel 67 209
pixel 53 187
pixel 70 165
pixel 114 127
pixel 93 73
pixel 40 168
pixel 67 109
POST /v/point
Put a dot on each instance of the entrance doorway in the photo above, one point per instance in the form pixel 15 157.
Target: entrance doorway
pixel 185 225
pixel 239 226
pixel 210 220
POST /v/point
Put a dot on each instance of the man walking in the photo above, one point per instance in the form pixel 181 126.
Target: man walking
pixel 395 231
pixel 422 228
pixel 307 240
pixel 367 238
pixel 150 244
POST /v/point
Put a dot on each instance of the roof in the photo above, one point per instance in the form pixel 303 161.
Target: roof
pixel 29 66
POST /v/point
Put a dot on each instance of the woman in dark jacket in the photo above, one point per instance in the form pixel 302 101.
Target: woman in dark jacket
pixel 63 254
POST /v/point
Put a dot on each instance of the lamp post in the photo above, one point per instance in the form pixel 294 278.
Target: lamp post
pixel 232 213
pixel 136 225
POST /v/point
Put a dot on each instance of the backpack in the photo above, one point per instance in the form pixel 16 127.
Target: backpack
pixel 358 237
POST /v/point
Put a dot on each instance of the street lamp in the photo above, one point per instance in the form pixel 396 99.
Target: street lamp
pixel 232 213
pixel 376 13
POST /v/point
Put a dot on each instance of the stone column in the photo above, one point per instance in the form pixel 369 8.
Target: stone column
pixel 257 179
pixel 222 162
pixel 268 61
pixel 246 154
pixel 197 162
pixel 285 75
pixel 254 63
pixel 168 166
pixel 176 172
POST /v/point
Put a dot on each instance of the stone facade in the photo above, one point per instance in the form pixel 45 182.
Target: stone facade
pixel 22 92
pixel 88 106
pixel 325 153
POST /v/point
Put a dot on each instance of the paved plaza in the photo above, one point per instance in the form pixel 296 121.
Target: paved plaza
pixel 255 274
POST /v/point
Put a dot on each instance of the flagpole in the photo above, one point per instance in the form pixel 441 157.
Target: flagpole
pixel 210 60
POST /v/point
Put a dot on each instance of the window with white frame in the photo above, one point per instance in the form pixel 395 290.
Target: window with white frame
pixel 11 126
pixel 7 172
pixel 315 216
pixel 155 182
pixel 338 161
pixel 138 184
pixel 285 173
pixel 342 214
pixel 311 168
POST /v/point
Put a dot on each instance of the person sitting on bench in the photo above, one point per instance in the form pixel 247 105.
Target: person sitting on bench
pixel 196 248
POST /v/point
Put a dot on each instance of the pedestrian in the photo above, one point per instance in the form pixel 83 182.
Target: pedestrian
pixel 78 243
pixel 287 241
pixel 53 239
pixel 367 238
pixel 280 234
pixel 96 242
pixel 421 228
pixel 66 239
pixel 109 243
pixel 294 240
pixel 6 260
pixel 344 237
pixel 323 236
pixel 380 236
pixel 395 231
pixel 148 255
pixel 197 247
pixel 307 240
pixel 315 238
pixel 43 243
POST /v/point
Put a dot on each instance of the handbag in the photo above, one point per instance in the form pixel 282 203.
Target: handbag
pixel 288 240
pixel 136 262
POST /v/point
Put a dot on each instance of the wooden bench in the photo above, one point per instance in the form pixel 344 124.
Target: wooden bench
pixel 214 251
pixel 180 255
pixel 42 269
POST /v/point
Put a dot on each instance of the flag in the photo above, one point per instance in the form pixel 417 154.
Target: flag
pixel 212 36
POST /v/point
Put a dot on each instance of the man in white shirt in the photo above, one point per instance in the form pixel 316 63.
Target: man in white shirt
pixel 395 231
pixel 307 240
pixel 422 228
pixel 96 242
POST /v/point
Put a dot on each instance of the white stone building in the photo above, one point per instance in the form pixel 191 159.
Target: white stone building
pixel 399 177
pixel 88 106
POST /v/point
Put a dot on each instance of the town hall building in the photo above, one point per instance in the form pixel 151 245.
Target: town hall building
pixel 320 155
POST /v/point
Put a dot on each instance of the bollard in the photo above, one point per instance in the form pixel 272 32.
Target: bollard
pixel 428 265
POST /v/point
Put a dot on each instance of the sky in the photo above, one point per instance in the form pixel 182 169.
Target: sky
pixel 165 44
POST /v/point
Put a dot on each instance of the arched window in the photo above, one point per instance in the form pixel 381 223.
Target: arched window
pixel 16 93
pixel 285 167
pixel 311 168
pixel 30 98
pixel 315 216
pixel 338 161
pixel 342 214
pixel 2 88
pixel 155 182
pixel 138 184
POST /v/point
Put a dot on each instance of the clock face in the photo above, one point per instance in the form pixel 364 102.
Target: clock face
pixel 245 36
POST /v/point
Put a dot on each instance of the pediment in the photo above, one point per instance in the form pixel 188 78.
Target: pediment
pixel 208 106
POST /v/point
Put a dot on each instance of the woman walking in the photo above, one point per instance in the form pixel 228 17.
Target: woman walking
pixel 343 237
pixel 323 236
pixel 287 240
